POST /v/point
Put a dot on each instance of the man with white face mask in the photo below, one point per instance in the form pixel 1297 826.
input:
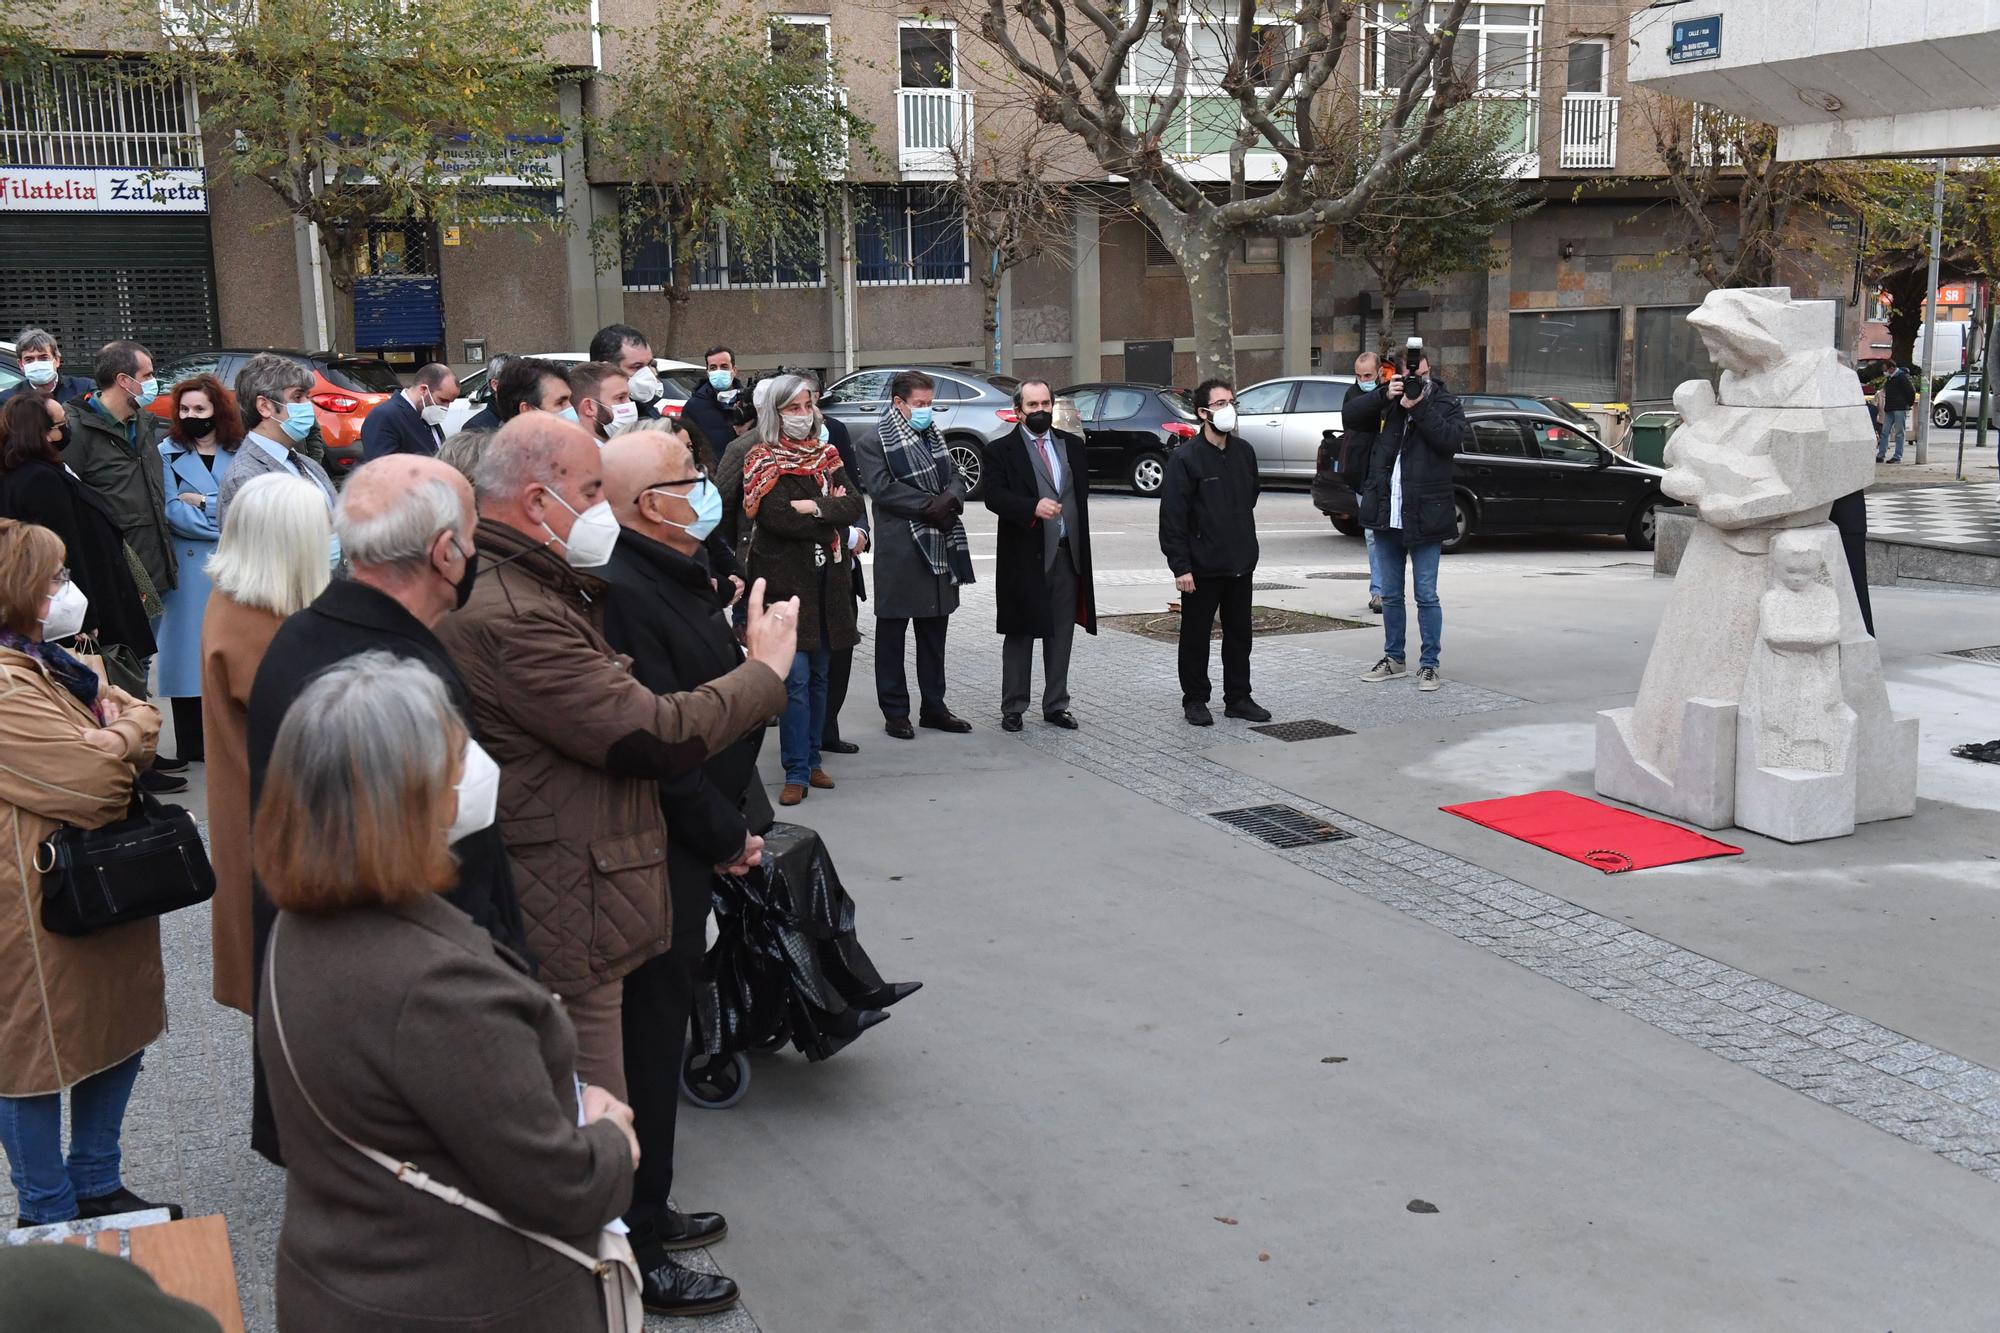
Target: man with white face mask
pixel 582 743
pixel 411 421
pixel 627 349
pixel 602 396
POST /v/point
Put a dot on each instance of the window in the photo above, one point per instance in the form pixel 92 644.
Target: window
pixel 1589 71
pixel 1265 398
pixel 1261 250
pixel 1178 403
pixel 1498 47
pixel 720 262
pixel 1320 396
pixel 807 40
pixel 1571 353
pixel 909 234
pixel 1499 438
pixel 1208 119
pixel 1666 352
pixel 1086 402
pixel 953 391
pixel 1558 445
pixel 870 386
pixel 1122 404
pixel 926 55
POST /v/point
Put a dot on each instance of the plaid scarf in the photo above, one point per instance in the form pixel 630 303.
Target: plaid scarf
pixel 919 461
pixel 766 463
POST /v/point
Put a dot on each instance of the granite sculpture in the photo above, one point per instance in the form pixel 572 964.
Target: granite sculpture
pixel 1762 703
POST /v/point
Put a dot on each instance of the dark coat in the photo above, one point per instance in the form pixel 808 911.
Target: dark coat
pixel 63 388
pixel 121 462
pixel 1020 573
pixel 395 427
pixel 1899 392
pixel 706 411
pixel 418 1037
pixel 666 616
pixel 842 441
pixel 906 587
pixel 1426 438
pixel 789 551
pixel 1357 441
pixel 485 419
pixel 1208 504
pixel 94 549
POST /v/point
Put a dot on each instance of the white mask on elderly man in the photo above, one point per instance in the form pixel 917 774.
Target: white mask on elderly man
pixel 478 793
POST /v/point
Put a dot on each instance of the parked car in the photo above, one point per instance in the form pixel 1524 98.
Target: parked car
pixel 1284 419
pixel 1529 402
pixel 973 408
pixel 1957 399
pixel 1129 429
pixel 677 383
pixel 345 389
pixel 1530 471
pixel 10 368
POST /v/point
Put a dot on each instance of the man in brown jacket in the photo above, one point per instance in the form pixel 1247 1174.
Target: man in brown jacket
pixel 581 744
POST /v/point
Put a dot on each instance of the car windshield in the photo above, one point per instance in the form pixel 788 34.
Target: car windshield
pixel 1567 412
pixel 681 383
pixel 1179 402
pixel 361 375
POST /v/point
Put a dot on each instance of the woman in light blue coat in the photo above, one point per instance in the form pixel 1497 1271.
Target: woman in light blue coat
pixel 200 445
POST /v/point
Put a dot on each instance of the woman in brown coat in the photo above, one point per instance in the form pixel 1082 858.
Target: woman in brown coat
pixel 391 1022
pixel 74 1012
pixel 270 562
pixel 796 497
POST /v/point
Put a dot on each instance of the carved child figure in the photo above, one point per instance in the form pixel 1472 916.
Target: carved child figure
pixel 1794 687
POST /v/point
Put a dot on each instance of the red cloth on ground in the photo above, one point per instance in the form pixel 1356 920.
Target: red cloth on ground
pixel 1591 832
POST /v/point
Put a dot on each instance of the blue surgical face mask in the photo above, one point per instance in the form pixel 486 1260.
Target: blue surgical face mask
pixel 721 379
pixel 920 418
pixel 149 389
pixel 825 435
pixel 39 372
pixel 706 501
pixel 298 422
pixel 569 414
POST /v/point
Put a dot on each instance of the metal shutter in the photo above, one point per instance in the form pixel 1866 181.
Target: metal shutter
pixel 90 279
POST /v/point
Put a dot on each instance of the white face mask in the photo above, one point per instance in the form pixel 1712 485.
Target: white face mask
pixel 591 537
pixel 478 793
pixel 623 415
pixel 645 384
pixel 66 610
pixel 1224 419
pixel 434 414
pixel 797 427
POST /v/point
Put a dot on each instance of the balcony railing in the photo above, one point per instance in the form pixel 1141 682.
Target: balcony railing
pixel 933 127
pixel 97 116
pixel 1590 133
pixel 1712 140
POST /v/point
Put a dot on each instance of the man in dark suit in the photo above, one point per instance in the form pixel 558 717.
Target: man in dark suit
pixel 1038 482
pixel 841 669
pixel 411 421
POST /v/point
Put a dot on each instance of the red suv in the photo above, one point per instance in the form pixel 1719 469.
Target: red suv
pixel 345 388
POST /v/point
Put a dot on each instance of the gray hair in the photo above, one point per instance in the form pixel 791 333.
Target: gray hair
pixel 464 450
pixel 268 375
pixel 36 340
pixel 400 534
pixel 273 550
pixel 783 389
pixel 525 451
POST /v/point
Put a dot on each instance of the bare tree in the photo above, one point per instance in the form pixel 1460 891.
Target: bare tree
pixel 1250 89
pixel 1016 205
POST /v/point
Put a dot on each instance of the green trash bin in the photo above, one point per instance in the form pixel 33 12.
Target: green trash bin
pixel 1650 431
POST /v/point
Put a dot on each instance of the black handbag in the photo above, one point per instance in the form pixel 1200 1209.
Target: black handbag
pixel 147 864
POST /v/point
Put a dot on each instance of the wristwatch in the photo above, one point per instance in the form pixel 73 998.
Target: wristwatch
pixel 816 513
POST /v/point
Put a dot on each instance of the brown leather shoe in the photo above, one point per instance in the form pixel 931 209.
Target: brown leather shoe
pixel 792 794
pixel 821 780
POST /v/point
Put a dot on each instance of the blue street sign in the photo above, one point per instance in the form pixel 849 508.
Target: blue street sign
pixel 1696 39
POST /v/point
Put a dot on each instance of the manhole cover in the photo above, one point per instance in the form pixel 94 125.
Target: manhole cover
pixel 1274 587
pixel 1264 620
pixel 1311 729
pixel 1340 574
pixel 1979 654
pixel 1281 825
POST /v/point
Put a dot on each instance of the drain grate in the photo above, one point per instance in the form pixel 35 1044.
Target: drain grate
pixel 1340 574
pixel 1310 729
pixel 1980 654
pixel 1281 825
pixel 1275 587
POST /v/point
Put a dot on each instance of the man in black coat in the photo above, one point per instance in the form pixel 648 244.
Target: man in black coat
pixel 666 612
pixel 410 421
pixel 841 669
pixel 1406 500
pixel 402 583
pixel 1370 370
pixel 1038 482
pixel 1208 533
pixel 712 406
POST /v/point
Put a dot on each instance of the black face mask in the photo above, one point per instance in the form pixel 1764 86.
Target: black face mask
pixel 467 579
pixel 1038 423
pixel 198 428
pixel 62 437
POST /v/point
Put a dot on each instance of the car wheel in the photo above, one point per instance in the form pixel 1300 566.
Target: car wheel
pixel 970 461
pixel 1461 511
pixel 1644 527
pixel 1943 414
pixel 1345 525
pixel 1148 475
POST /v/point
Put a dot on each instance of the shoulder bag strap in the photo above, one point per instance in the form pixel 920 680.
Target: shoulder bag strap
pixel 407 1172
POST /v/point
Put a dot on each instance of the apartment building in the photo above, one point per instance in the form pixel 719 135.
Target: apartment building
pixel 112 223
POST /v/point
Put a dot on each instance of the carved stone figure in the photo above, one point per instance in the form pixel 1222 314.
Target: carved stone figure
pixel 1762 462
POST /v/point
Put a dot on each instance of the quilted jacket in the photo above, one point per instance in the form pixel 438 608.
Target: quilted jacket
pixel 581 746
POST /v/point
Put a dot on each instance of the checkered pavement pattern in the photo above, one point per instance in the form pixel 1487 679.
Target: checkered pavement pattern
pixel 1957 518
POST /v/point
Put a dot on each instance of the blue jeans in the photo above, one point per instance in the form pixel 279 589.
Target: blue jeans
pixel 1374 579
pixel 1389 551
pixel 31 1131
pixel 805 714
pixel 1893 423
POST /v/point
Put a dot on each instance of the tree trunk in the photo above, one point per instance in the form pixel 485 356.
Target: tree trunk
pixel 1201 248
pixel 1906 313
pixel 337 245
pixel 991 285
pixel 1386 339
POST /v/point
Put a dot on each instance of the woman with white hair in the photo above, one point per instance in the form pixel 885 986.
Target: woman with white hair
pixel 796 498
pixel 269 562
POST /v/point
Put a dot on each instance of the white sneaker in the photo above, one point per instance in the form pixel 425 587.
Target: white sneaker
pixel 1427 679
pixel 1386 669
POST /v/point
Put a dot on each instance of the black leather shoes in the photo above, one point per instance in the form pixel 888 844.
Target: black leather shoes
pixel 1010 722
pixel 1247 709
pixel 886 995
pixel 123 1201
pixel 1198 715
pixel 900 728
pixel 668 1288
pixel 838 746
pixel 945 722
pixel 155 781
pixel 163 765
pixel 677 1230
pixel 1064 719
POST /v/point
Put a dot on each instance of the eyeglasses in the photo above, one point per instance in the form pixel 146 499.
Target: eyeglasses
pixel 60 577
pixel 700 475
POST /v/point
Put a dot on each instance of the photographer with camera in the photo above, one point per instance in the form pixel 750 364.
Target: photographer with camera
pixel 1404 498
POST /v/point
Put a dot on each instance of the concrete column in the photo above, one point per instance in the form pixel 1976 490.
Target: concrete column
pixel 317 323
pixel 1499 305
pixel 1006 317
pixel 836 295
pixel 596 286
pixel 1086 322
pixel 1298 315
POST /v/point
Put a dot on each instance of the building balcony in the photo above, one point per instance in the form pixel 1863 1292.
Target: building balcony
pixel 933 131
pixel 77 116
pixel 835 163
pixel 1589 133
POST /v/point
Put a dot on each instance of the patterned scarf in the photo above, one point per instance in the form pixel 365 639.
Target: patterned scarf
pixel 919 461
pixel 766 463
pixel 69 673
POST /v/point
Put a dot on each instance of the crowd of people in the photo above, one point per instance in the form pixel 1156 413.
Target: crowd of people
pixel 480 728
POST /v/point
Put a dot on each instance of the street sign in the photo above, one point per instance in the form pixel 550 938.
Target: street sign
pixel 1696 39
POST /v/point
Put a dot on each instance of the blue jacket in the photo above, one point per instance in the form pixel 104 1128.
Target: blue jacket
pixel 395 427
pixel 66 388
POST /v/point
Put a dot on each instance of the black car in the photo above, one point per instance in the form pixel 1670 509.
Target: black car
pixel 1528 402
pixel 1529 472
pixel 1129 429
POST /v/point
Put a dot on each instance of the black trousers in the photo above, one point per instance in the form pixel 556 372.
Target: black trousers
pixel 1850 515
pixel 1229 594
pixel 187 728
pixel 840 669
pixel 892 687
pixel 659 998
